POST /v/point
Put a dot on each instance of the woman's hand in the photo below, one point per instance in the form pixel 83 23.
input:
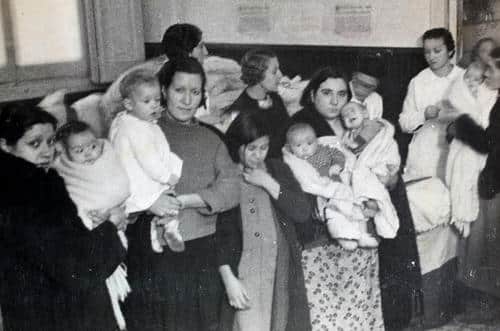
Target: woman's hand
pixel 165 205
pixel 97 216
pixel 431 112
pixel 236 292
pixel 118 217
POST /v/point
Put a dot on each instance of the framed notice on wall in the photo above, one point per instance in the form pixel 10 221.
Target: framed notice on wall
pixel 376 23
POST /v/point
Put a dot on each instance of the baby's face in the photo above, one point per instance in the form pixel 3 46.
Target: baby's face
pixel 303 143
pixel 353 115
pixel 144 102
pixel 474 76
pixel 83 147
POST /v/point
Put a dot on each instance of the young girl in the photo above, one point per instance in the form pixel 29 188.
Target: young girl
pixel 264 283
pixel 151 167
pixel 99 186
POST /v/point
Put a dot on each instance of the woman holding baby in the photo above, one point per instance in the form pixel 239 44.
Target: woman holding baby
pixel 346 288
pixel 182 290
pixel 54 269
pixel 479 268
pixel 342 286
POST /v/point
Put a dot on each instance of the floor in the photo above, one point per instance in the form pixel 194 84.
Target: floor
pixel 477 312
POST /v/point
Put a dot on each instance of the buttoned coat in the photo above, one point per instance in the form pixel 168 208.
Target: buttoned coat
pixel 235 231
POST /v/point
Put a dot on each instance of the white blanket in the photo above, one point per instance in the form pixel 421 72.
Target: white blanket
pixel 379 159
pixel 464 164
pixel 335 200
pixel 99 186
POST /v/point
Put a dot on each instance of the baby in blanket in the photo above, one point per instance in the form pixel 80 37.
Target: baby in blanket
pixel 99 186
pixel 145 153
pixel 360 131
pixel 329 162
pixel 377 162
pixel 463 165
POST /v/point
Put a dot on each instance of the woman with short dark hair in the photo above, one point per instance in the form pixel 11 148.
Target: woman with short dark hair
pixel 425 170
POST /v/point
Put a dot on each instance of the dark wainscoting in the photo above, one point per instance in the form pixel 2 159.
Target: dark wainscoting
pixel 401 64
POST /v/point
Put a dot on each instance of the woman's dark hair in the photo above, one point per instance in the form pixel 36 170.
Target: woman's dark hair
pixel 71 128
pixel 248 126
pixel 254 64
pixel 180 39
pixel 17 118
pixel 441 33
pixel 495 56
pixel 187 65
pixel 317 79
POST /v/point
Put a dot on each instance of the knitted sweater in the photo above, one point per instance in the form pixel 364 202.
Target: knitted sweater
pixel 207 170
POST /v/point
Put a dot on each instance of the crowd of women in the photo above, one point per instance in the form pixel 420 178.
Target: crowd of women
pixel 215 231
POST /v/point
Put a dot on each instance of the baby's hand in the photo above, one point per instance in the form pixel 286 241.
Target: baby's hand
pixel 349 142
pixel 97 216
pixel 335 170
pixel 370 208
pixel 431 112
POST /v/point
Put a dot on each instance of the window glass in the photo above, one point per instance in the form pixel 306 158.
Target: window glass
pixel 46 31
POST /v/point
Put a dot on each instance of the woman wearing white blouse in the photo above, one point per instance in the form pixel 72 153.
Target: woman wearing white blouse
pixel 425 92
pixel 426 160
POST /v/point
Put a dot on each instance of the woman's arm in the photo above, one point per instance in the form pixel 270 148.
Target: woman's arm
pixel 77 258
pixel 482 140
pixel 224 192
pixel 411 118
pixel 229 238
pixel 292 201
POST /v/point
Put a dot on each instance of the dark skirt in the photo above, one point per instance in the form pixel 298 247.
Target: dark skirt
pixel 399 267
pixel 172 291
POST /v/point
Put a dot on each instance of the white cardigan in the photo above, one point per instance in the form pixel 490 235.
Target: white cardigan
pixel 145 153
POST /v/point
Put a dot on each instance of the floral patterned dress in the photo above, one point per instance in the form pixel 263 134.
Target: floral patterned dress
pixel 342 288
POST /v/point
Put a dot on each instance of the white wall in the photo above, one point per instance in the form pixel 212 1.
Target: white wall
pixel 394 23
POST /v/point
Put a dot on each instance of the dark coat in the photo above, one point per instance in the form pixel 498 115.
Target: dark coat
pixel 53 270
pixel 399 270
pixel 276 117
pixel 485 141
pixel 292 207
